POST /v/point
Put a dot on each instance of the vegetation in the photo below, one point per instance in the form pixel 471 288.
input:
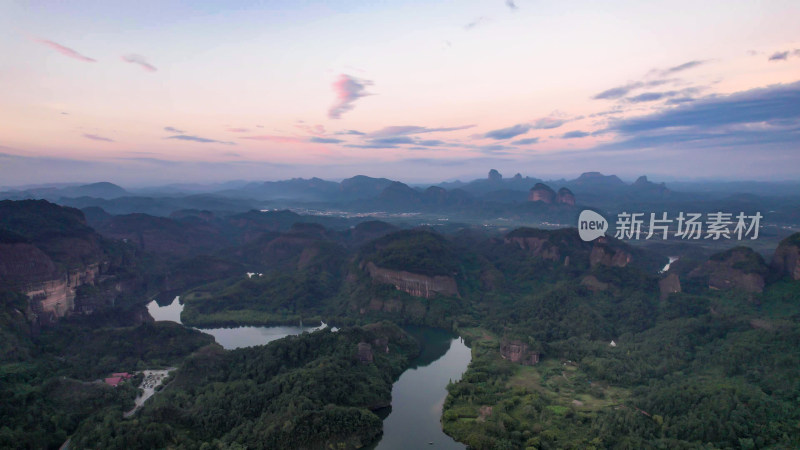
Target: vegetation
pixel 697 369
pixel 308 391
pixel 713 371
pixel 50 383
pixel 414 251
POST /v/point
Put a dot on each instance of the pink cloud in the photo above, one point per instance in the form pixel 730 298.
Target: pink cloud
pixel 140 60
pixel 95 137
pixel 272 138
pixel 348 89
pixel 65 50
pixel 238 130
pixel 316 130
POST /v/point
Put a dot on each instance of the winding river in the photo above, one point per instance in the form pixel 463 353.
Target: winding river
pixel 413 420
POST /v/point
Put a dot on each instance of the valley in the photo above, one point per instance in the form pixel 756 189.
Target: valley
pixel 566 343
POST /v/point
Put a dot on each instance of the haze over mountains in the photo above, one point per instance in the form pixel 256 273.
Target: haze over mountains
pixel 363 191
pixel 493 201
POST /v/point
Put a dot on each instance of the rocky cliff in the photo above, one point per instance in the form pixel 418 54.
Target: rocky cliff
pixel 670 284
pixel 414 284
pixel 738 268
pixel 541 193
pixel 565 197
pixel 786 260
pixel 519 352
pixel 565 245
pixel 607 255
pixel 539 247
pixel 47 252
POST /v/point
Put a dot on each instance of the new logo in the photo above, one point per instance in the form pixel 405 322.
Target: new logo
pixel 591 225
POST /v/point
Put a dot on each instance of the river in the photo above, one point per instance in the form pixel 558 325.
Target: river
pixel 413 420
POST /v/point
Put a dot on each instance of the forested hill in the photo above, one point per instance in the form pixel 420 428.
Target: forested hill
pixel 575 344
pixel 313 391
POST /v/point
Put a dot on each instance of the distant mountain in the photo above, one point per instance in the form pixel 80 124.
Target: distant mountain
pixel 361 186
pixel 164 206
pixel 298 189
pixel 104 190
pixel 597 179
pixel 493 183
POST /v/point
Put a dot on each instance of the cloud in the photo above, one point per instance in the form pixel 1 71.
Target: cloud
pixel 404 130
pixel 511 5
pixel 757 117
pixel 546 123
pixel 777 102
pixel 316 130
pixel 140 60
pixel 494 148
pixel 349 133
pixel 95 137
pixel 650 96
pixel 783 56
pixel 376 145
pixel 527 141
pixel 575 134
pixel 348 89
pixel 508 133
pixel 431 142
pixel 617 92
pixel 655 96
pixel 394 140
pixel 779 56
pixel 322 140
pixel 621 91
pixel 185 137
pixel 238 130
pixel 65 50
pixel 682 67
pixel 679 100
pixel 274 138
pixel 173 130
pixel 475 23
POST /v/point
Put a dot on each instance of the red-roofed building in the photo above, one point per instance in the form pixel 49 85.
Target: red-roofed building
pixel 113 381
pixel 123 375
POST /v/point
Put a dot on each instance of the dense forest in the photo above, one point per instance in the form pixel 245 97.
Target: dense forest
pixel 575 344
pixel 715 371
pixel 315 390
pixel 52 382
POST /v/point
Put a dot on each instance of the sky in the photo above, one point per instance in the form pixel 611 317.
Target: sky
pixel 152 92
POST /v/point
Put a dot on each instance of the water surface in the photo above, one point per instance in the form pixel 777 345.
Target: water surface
pixel 419 394
pixel 413 421
pixel 229 338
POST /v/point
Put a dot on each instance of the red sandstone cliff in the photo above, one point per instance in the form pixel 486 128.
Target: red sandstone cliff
pixel 414 284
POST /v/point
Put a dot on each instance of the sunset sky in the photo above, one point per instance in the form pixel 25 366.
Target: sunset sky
pixel 158 91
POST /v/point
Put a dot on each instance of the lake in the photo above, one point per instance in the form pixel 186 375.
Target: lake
pixel 413 420
pixel 229 338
